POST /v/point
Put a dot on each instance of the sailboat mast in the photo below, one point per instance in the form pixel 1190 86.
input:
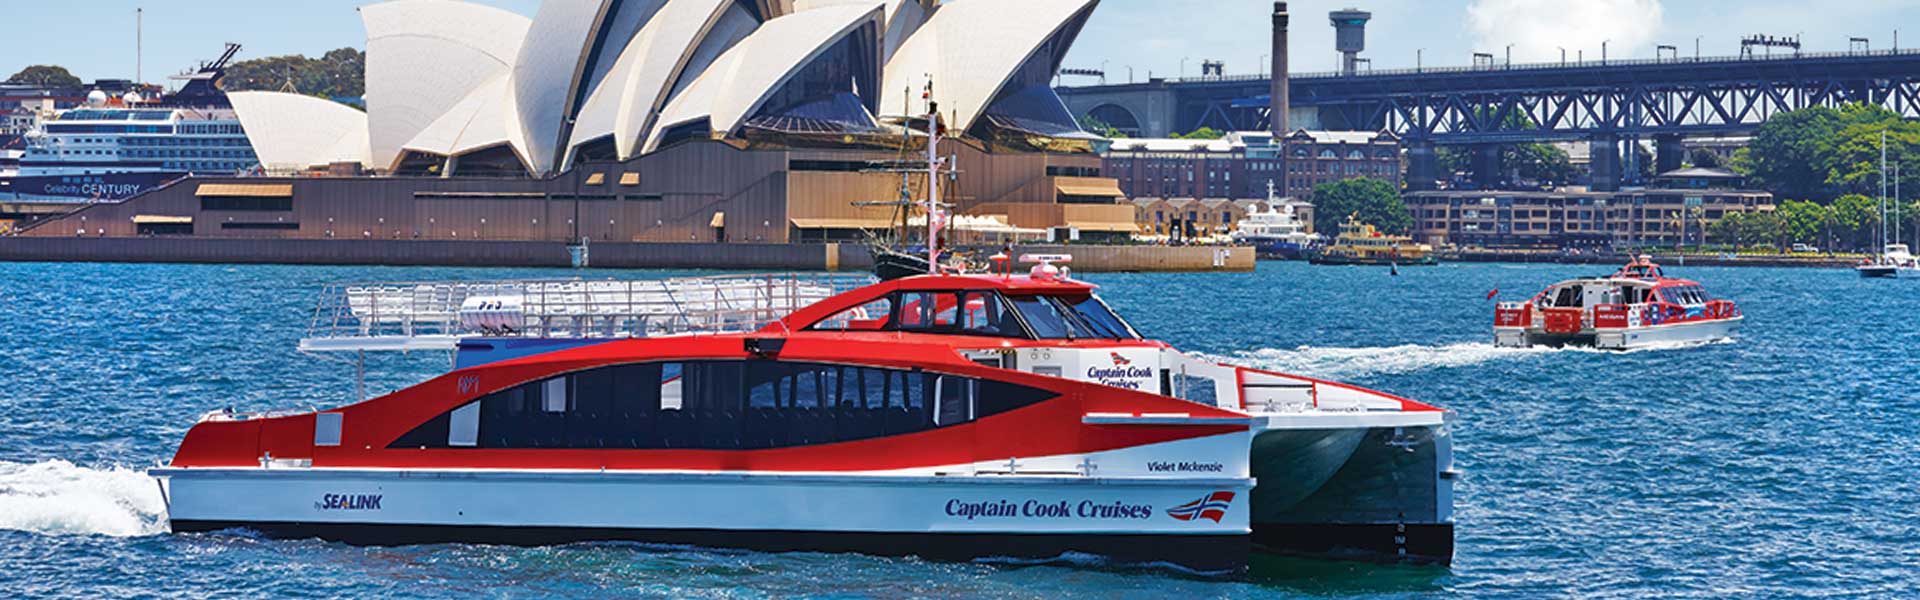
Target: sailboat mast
pixel 933 182
pixel 1883 191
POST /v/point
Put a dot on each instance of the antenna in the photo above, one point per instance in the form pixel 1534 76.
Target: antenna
pixel 139 44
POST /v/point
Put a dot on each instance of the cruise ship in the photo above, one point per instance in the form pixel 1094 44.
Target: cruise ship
pixel 112 149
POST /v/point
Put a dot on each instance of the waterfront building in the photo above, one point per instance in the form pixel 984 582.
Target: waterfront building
pixel 675 121
pixel 1240 165
pixel 1677 208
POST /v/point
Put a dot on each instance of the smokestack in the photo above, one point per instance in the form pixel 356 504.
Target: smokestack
pixel 1281 91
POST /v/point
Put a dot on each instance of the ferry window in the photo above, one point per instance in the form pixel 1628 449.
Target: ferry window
pixel 986 313
pixel 871 316
pixel 1100 318
pixel 553 395
pixel 729 405
pixel 928 310
pixel 1046 318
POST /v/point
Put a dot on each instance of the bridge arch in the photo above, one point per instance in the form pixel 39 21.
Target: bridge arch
pixel 1117 117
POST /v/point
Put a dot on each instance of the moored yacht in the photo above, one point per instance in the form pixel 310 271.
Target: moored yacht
pixel 945 416
pixel 1276 232
pixel 1636 307
pixel 1893 261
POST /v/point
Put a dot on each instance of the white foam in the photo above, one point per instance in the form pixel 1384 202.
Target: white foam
pixel 1339 363
pixel 58 497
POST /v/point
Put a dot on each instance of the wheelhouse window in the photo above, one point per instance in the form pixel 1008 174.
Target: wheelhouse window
pixel 1072 317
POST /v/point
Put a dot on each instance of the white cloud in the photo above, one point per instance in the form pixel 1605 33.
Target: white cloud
pixel 1539 28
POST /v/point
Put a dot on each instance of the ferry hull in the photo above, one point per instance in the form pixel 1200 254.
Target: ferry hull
pixel 938 517
pixel 1381 493
pixel 1336 260
pixel 1624 338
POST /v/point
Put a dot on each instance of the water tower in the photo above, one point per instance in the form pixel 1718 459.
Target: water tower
pixel 1350 36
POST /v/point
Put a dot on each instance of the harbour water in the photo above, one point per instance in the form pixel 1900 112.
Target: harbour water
pixel 1776 465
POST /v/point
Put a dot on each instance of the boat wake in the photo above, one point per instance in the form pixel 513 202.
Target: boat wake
pixel 59 498
pixel 1341 363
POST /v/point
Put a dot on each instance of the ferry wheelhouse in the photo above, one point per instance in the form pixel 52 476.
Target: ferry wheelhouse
pixel 1635 307
pixel 945 416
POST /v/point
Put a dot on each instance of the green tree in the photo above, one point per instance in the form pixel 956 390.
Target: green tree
pixel 1203 133
pixel 338 73
pixel 1785 154
pixel 1852 159
pixel 1805 222
pixel 1098 127
pixel 1856 222
pixel 46 75
pixel 1727 230
pixel 1762 229
pixel 1704 158
pixel 1372 201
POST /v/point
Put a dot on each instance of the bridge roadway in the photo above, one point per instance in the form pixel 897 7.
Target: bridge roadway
pixel 1602 102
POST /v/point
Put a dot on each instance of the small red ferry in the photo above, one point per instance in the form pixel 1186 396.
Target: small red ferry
pixel 1636 307
pixel 945 416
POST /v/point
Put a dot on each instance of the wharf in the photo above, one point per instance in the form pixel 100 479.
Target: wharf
pixel 1698 259
pixel 615 255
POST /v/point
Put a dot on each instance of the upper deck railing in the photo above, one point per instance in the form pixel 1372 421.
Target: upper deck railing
pixel 436 316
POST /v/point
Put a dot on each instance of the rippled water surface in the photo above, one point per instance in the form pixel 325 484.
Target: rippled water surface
pixel 1777 465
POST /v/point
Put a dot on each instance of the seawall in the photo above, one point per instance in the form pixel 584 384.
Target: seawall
pixel 612 255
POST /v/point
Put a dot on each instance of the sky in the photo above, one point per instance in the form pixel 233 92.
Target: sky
pixel 1162 38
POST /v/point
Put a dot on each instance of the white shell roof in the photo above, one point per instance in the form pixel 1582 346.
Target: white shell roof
pixel 904 17
pixel 739 81
pixel 425 56
pixel 636 86
pixel 293 132
pixel 548 68
pixel 972 48
pixel 484 119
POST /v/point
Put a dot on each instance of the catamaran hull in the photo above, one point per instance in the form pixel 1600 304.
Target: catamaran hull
pixel 1381 493
pixel 1628 338
pixel 938 517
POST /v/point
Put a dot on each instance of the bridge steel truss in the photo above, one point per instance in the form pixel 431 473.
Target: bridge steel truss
pixel 1528 103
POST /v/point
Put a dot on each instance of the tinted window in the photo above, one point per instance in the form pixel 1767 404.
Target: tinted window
pixel 1099 318
pixel 724 405
pixel 871 316
pixel 1045 318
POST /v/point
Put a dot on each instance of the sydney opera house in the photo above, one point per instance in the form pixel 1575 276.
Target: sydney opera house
pixel 658 120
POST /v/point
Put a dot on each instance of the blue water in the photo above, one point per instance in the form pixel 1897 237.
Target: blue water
pixel 1777 465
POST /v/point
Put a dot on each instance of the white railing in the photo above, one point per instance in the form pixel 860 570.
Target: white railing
pixel 409 316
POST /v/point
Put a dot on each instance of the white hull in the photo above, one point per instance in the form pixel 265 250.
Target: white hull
pixel 960 517
pixel 1627 338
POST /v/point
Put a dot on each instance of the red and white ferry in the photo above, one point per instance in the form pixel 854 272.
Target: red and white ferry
pixel 945 416
pixel 1635 307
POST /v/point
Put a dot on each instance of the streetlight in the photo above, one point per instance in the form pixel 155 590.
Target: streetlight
pixel 1563 55
pixel 1103 71
pixel 1129 73
pixel 1603 51
pixel 1419 59
pixel 1183 67
pixel 1696 48
pixel 1509 56
pixel 1263 64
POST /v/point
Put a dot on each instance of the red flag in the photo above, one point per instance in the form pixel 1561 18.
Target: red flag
pixel 1495 292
